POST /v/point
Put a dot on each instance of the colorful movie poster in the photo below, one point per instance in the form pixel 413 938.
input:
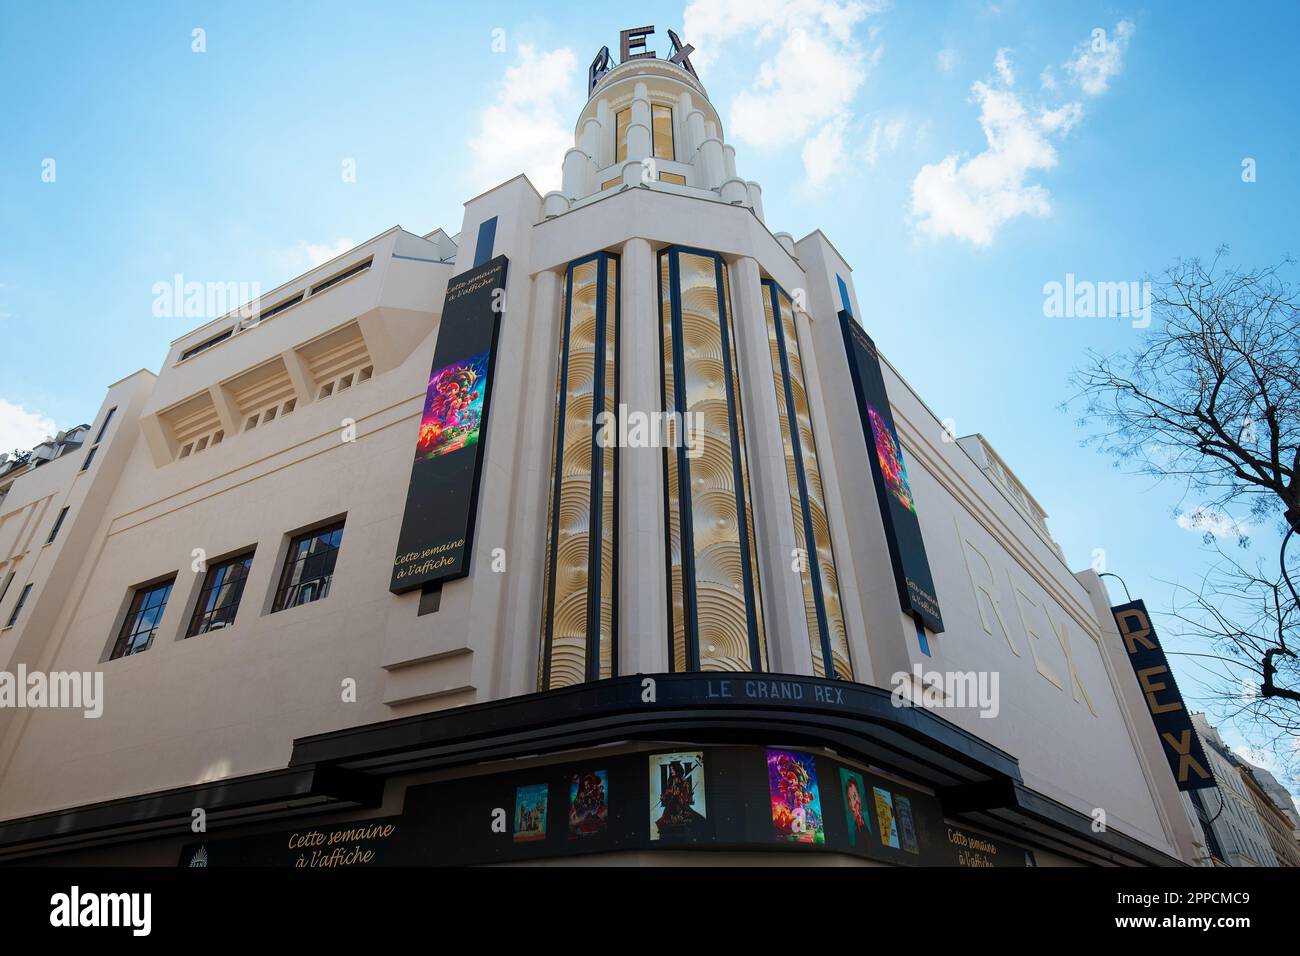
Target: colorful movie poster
pixel 906 825
pixel 678 811
pixel 885 816
pixel 530 813
pixel 588 804
pixel 855 811
pixel 890 456
pixel 796 801
pixel 453 407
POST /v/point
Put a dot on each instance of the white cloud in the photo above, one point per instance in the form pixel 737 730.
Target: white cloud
pixel 529 127
pixel 947 60
pixel 805 87
pixel 884 137
pixel 1002 63
pixel 1212 521
pixel 1099 58
pixel 971 198
pixel 21 429
pixel 823 153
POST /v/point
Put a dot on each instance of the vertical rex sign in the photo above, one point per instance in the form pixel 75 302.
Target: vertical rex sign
pixel 442 498
pixel 889 472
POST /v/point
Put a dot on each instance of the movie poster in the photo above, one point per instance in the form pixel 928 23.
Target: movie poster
pixel 588 804
pixel 906 825
pixel 530 813
pixel 796 801
pixel 436 537
pixel 898 514
pixel 890 456
pixel 678 811
pixel 453 407
pixel 855 810
pixel 885 817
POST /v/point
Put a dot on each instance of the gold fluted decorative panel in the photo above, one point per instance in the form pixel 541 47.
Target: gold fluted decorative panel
pixel 578 626
pixel 826 629
pixel 717 618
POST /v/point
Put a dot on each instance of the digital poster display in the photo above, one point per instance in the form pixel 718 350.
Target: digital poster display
pixel 907 553
pixel 678 802
pixel 796 801
pixel 442 499
pixel 1173 722
pixel 588 804
pixel 685 800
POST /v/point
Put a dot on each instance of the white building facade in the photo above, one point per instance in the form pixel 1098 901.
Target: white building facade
pixel 682 650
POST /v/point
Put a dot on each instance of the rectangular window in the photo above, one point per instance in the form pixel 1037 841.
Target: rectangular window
pixel 675 178
pixel 580 580
pixel 142 618
pixel 58 523
pixel 9 579
pixel 661 122
pixel 277 309
pixel 714 606
pixel 309 567
pixel 341 277
pixel 201 347
pixel 22 599
pixel 223 588
pixel 621 120
pixel 610 182
pixel 90 456
pixel 104 427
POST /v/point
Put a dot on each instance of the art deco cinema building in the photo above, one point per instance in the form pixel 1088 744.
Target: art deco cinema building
pixel 371 579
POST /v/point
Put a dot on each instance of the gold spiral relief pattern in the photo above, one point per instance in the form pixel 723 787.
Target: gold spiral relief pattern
pixel 719 550
pixel 801 431
pixel 566 630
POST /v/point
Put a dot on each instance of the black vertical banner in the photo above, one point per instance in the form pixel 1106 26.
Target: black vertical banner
pixel 442 499
pixel 1178 738
pixel 889 471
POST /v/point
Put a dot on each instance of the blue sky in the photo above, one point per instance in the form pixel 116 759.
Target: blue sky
pixel 868 121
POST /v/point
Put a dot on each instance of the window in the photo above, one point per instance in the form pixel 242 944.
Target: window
pixel 342 276
pixel 621 120
pixel 104 427
pixel 196 349
pixel 90 456
pixel 9 579
pixel 58 523
pixel 714 607
pixel 580 593
pixel 22 599
pixel 661 124
pixel 223 588
pixel 308 567
pixel 675 178
pixel 277 309
pixel 142 618
pixel 610 182
pixel 821 592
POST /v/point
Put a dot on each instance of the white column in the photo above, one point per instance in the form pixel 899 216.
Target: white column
pixel 642 574
pixel 711 159
pixel 729 160
pixel 638 128
pixel 523 593
pixel 575 175
pixel 783 608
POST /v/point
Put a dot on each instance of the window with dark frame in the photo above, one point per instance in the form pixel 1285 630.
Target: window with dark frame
pixel 18 608
pixel 142 618
pixel 223 589
pixel 308 567
pixel 58 523
pixel 104 427
pixel 90 456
